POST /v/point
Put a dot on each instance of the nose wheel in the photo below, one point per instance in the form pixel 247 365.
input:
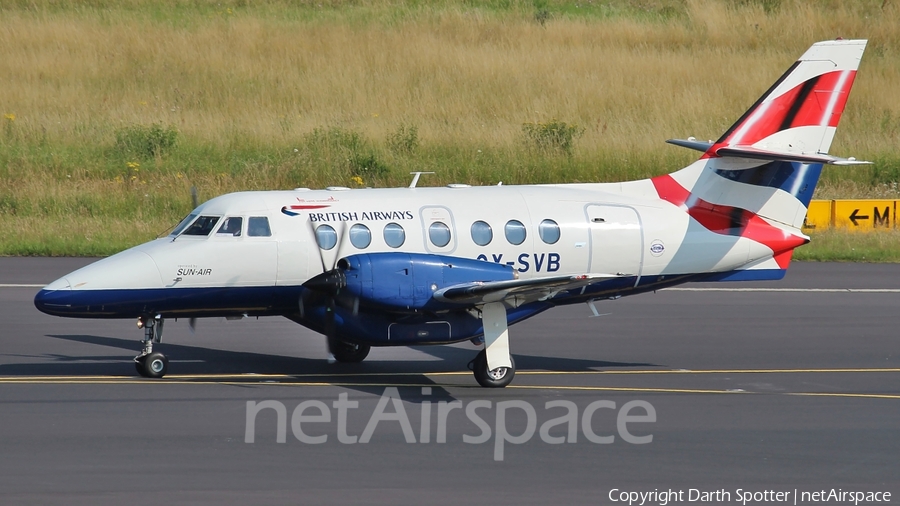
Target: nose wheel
pixel 151 364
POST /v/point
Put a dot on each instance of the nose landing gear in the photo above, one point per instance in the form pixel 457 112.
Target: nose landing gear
pixel 151 364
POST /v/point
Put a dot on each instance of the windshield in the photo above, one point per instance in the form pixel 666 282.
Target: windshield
pixel 184 223
pixel 203 226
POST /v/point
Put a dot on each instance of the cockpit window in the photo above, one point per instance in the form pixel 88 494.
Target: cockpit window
pixel 185 222
pixel 203 225
pixel 258 226
pixel 231 226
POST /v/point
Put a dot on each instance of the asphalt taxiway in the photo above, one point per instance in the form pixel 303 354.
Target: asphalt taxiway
pixel 790 385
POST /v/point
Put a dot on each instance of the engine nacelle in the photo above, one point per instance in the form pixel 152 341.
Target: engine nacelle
pixel 406 281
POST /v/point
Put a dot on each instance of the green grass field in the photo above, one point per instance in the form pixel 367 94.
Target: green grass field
pixel 113 110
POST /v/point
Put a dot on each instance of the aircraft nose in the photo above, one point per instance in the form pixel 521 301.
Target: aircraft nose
pixel 54 298
pixel 102 289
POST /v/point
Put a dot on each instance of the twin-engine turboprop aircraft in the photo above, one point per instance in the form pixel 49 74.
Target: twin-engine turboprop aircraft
pixel 417 266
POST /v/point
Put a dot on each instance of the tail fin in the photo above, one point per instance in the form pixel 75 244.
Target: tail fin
pixel 757 179
pixel 777 148
pixel 800 112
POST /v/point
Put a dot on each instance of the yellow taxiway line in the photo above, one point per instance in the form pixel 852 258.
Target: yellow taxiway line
pixel 333 380
pixel 139 381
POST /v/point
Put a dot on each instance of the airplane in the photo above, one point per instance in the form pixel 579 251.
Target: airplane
pixel 439 265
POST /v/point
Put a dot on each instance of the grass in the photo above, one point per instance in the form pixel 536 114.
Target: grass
pixel 844 246
pixel 278 94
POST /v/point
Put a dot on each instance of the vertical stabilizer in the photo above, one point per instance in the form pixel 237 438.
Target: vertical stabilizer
pixel 800 112
pixel 757 179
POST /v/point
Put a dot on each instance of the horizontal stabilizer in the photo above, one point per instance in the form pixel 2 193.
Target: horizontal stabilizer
pixel 783 156
pixel 524 289
pixel 692 143
pixel 763 154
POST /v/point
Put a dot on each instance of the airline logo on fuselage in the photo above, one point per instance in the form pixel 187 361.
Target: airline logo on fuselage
pixel 363 216
pixel 303 204
pixel 313 205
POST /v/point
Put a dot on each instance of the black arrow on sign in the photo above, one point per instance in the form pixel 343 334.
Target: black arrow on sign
pixel 854 216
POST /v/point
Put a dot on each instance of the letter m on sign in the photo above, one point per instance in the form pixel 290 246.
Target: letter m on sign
pixel 882 219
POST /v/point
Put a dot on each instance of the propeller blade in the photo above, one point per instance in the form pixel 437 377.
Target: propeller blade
pixel 312 231
pixel 330 333
pixel 340 243
pixel 192 324
pixel 330 282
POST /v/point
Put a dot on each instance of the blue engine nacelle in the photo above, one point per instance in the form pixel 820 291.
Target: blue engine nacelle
pixel 405 282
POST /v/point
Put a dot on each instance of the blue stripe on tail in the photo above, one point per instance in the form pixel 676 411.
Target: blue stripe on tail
pixel 798 179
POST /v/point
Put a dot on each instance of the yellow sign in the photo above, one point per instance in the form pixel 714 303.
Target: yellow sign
pixel 819 216
pixel 865 215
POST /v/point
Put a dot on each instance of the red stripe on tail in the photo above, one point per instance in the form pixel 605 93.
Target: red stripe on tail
pixel 728 220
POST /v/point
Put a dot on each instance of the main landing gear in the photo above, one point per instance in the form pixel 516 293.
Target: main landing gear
pixel 151 364
pixel 492 378
pixel 342 351
pixel 493 366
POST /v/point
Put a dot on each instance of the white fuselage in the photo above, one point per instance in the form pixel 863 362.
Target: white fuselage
pixel 599 232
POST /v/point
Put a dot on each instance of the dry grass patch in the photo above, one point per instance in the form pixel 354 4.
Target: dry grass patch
pixel 245 84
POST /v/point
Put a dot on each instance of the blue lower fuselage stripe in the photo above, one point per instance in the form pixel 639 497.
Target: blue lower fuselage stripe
pixel 170 302
pixel 368 326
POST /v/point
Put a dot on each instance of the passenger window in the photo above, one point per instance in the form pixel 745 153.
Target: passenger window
pixel 231 226
pixel 326 236
pixel 515 232
pixel 203 225
pixel 549 231
pixel 394 235
pixel 360 236
pixel 439 233
pixel 482 233
pixel 258 226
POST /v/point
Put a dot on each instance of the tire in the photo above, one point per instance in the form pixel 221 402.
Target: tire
pixel 139 365
pixel 154 365
pixel 498 378
pixel 350 353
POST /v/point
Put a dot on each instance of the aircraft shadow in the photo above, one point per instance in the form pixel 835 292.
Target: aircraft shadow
pixel 201 360
pixel 453 355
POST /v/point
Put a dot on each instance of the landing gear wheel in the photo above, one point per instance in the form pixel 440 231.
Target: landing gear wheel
pixel 497 378
pixel 154 365
pixel 350 353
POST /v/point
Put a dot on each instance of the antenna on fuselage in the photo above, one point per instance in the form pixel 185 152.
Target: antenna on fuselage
pixel 194 197
pixel 415 180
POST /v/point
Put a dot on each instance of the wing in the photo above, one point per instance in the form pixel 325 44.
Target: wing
pixel 523 290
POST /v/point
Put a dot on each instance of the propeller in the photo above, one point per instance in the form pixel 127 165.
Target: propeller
pixel 192 323
pixel 328 284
